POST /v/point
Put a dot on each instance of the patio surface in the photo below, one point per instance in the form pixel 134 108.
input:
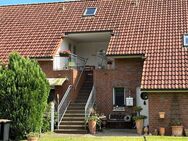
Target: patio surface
pixel 117 132
pixel 108 132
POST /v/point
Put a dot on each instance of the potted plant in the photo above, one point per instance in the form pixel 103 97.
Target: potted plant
pixel 32 136
pixel 64 53
pixel 186 131
pixel 92 121
pixel 139 120
pixel 138 109
pixel 109 64
pixel 177 128
pixel 162 131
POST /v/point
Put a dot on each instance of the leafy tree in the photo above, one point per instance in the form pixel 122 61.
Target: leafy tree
pixel 23 95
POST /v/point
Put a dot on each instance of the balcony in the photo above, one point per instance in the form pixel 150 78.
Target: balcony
pixel 87 48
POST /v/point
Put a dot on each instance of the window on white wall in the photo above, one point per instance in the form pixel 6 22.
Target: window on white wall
pixel 119 96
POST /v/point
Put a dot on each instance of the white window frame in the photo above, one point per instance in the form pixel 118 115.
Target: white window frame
pixel 114 95
pixel 185 36
pixel 90 14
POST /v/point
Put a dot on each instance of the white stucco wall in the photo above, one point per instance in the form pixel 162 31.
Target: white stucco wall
pixel 59 63
pixel 83 49
pixel 140 102
pixel 89 50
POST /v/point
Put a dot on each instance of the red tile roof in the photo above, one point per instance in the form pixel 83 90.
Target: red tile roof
pixel 154 28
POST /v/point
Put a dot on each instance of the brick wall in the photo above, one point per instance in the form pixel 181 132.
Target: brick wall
pixel 127 73
pixel 72 75
pixel 162 102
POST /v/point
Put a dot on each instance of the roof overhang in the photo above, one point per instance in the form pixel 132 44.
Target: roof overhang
pixel 50 59
pixel 90 36
pixel 128 56
pixel 56 81
pixel 42 58
pixel 164 90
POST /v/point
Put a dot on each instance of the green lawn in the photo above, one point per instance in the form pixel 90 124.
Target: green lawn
pixel 110 138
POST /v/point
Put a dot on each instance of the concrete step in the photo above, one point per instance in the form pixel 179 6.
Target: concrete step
pixel 71 131
pixel 81 122
pixel 83 95
pixel 85 91
pixel 75 111
pixel 87 84
pixel 82 118
pixel 74 115
pixel 76 108
pixel 82 126
pixel 81 101
pixel 82 98
pixel 78 104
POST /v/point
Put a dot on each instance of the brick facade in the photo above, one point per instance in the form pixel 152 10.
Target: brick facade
pixel 163 102
pixel 72 75
pixel 127 73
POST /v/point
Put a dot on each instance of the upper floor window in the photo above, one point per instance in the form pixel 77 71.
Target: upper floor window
pixel 185 40
pixel 90 11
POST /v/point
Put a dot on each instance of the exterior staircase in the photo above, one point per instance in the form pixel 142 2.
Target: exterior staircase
pixel 74 119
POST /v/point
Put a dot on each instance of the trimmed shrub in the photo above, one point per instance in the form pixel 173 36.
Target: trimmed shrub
pixel 46 119
pixel 23 95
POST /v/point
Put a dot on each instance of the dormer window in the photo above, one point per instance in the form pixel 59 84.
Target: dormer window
pixel 90 11
pixel 185 40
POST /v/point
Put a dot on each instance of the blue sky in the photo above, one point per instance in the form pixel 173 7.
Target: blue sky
pixel 13 2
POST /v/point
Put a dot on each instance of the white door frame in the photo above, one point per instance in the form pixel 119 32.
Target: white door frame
pixel 140 102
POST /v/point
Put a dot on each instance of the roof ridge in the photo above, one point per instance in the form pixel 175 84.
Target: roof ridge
pixel 41 3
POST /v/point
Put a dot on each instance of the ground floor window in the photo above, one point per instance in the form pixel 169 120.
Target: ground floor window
pixel 119 96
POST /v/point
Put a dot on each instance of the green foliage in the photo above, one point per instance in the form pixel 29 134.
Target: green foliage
pixel 138 108
pixel 94 117
pixel 46 119
pixel 139 117
pixel 33 134
pixel 23 95
pixel 176 122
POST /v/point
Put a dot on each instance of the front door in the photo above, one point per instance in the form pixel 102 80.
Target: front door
pixel 143 104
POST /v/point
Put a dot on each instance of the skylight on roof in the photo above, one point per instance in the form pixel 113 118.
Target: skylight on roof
pixel 185 40
pixel 90 11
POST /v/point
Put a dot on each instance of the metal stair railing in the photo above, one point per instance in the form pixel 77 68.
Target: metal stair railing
pixel 63 105
pixel 90 103
pixel 82 71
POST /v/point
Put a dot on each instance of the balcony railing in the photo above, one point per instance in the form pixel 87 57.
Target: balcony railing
pixel 72 62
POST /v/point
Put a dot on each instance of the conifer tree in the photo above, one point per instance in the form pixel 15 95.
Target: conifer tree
pixel 23 95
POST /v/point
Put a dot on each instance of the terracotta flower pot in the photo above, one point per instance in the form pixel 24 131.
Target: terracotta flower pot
pixel 92 126
pixel 109 66
pixel 161 114
pixel 177 130
pixel 186 132
pixel 162 131
pixel 32 138
pixel 139 126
